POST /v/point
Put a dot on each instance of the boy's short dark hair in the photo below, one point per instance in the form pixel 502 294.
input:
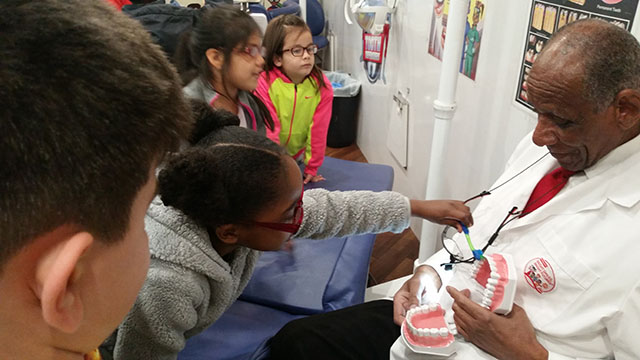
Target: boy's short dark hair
pixel 87 104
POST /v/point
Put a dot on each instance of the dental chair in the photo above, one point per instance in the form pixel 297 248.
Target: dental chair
pixel 316 277
pixel 262 16
pixel 316 21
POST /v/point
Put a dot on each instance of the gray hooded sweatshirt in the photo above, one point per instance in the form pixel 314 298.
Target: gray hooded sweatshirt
pixel 189 285
pixel 196 89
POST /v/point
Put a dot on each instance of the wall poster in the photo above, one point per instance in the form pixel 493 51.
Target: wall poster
pixel 472 34
pixel 550 15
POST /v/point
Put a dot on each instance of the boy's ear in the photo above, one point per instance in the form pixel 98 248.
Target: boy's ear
pixel 215 58
pixel 277 60
pixel 227 233
pixel 58 269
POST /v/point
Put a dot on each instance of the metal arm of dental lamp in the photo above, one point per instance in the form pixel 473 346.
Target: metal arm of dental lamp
pixel 375 15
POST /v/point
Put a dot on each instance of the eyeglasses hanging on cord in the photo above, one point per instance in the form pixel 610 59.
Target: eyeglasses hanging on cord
pixel 455 253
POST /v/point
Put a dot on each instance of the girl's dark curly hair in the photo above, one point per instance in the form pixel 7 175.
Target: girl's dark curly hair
pixel 227 177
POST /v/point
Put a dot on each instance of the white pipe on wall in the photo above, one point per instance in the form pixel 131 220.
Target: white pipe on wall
pixel 444 108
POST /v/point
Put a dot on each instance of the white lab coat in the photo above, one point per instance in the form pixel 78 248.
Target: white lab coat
pixel 588 234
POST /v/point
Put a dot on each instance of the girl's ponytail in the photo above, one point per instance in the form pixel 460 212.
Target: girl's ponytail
pixel 208 120
pixel 190 182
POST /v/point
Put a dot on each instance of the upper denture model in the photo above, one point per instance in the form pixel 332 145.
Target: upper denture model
pixel 496 274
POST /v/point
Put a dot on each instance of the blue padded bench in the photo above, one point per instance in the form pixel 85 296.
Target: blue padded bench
pixel 318 276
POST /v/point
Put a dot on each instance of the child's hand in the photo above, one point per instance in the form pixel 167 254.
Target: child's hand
pixel 313 178
pixel 445 212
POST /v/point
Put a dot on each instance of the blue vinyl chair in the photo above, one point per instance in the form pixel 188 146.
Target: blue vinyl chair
pixel 315 19
pixel 288 7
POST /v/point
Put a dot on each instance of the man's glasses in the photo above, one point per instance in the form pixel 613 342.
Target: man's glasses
pixel 292 227
pixel 297 51
pixel 252 50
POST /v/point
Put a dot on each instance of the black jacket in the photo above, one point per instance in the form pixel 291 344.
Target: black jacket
pixel 167 22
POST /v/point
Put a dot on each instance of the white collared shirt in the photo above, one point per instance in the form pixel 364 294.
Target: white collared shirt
pixel 588 235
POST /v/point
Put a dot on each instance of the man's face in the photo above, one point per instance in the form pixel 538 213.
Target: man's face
pixel 568 125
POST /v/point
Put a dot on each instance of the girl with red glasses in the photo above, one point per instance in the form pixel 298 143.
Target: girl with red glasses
pixel 220 61
pixel 232 195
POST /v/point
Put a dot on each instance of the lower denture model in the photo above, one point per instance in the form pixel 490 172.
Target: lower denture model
pixel 425 330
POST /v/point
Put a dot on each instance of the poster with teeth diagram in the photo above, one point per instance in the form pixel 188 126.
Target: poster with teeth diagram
pixel 548 16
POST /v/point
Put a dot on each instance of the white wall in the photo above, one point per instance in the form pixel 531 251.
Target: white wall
pixel 487 124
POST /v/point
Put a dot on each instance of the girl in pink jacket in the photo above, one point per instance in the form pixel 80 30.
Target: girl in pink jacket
pixel 296 92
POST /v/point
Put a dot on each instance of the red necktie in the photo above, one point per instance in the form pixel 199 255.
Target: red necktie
pixel 547 188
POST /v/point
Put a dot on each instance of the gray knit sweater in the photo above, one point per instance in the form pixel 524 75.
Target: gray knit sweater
pixel 189 285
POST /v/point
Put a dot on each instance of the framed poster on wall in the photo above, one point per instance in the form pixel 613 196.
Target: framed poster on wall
pixel 547 16
pixel 472 34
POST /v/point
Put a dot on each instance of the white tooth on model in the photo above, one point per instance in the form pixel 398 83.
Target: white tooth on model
pixel 491 287
pixel 492 281
pixel 488 293
pixel 433 306
pixel 452 328
pixel 495 275
pixel 434 331
pixel 444 332
pixel 475 268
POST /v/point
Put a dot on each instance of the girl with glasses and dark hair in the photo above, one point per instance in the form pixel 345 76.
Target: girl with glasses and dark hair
pixel 220 60
pixel 296 92
pixel 232 195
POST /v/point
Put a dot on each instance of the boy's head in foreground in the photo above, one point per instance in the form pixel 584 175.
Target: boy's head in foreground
pixel 89 106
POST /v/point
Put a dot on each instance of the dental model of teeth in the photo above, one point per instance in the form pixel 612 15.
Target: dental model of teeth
pixel 425 330
pixel 496 274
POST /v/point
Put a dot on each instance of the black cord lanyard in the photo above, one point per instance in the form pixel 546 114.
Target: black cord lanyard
pixel 512 215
